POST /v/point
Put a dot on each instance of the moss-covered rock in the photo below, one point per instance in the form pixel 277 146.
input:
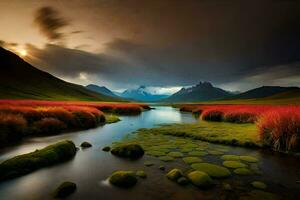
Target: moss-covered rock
pixel 166 158
pixel 123 179
pixel 234 164
pixel 212 170
pixel 259 185
pixel 200 179
pixel 86 145
pixel 65 189
pixel 227 187
pixel 249 159
pixel 26 163
pixel 191 160
pixel 107 148
pixel 161 167
pixel 243 171
pixel 174 174
pixel 182 181
pixel 197 153
pixel 230 157
pixel 141 174
pixel 156 153
pixel 131 150
pixel 148 163
pixel 175 154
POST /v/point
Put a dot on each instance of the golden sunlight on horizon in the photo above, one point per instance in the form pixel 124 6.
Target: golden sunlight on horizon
pixel 22 52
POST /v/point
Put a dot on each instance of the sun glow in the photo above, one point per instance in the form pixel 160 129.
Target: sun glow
pixel 23 52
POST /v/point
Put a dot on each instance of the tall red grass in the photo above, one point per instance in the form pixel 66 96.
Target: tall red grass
pixel 29 117
pixel 280 129
pixel 12 126
pixel 279 126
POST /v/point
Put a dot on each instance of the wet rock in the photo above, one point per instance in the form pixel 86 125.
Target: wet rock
pixel 259 185
pixel 243 171
pixel 182 181
pixel 141 174
pixel 107 148
pixel 86 145
pixel 123 179
pixel 234 164
pixel 249 159
pixel 191 160
pixel 26 163
pixel 148 163
pixel 131 150
pixel 212 170
pixel 200 179
pixel 65 189
pixel 174 174
pixel 161 167
pixel 166 158
pixel 230 157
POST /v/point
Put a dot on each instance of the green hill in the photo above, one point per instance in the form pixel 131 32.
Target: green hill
pixel 289 97
pixel 20 80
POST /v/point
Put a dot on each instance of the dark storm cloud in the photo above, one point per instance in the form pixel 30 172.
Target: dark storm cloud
pixel 50 23
pixel 182 42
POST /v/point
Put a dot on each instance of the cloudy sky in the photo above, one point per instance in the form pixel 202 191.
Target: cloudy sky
pixel 165 44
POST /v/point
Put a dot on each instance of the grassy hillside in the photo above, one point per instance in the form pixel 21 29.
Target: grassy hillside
pixel 20 80
pixel 289 97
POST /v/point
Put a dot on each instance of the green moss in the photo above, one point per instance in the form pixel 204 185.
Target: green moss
pixel 130 150
pixel 197 153
pixel 109 119
pixel 141 174
pixel 161 167
pixel 156 153
pixel 212 170
pixel 26 163
pixel 249 159
pixel 214 152
pixel 174 174
pixel 166 158
pixel 186 150
pixel 234 164
pixel 107 148
pixel 123 179
pixel 175 154
pixel 182 181
pixel 243 171
pixel 215 132
pixel 200 179
pixel 227 187
pixel 230 157
pixel 86 145
pixel 65 189
pixel 148 163
pixel 191 160
pixel 259 185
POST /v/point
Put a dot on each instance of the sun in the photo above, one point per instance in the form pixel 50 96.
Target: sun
pixel 23 52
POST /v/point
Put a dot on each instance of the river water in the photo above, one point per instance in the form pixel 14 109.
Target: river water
pixel 91 167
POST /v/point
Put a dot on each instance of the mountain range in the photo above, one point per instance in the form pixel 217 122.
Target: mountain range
pixel 141 94
pixel 101 89
pixel 20 80
pixel 204 91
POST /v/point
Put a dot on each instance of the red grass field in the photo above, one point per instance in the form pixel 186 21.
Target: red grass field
pixel 279 126
pixel 29 117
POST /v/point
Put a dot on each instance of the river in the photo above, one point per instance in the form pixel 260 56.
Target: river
pixel 91 167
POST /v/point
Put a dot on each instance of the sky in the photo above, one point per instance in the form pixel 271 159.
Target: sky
pixel 163 44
